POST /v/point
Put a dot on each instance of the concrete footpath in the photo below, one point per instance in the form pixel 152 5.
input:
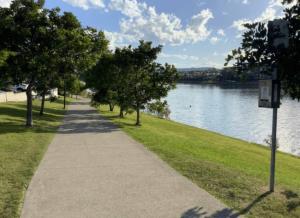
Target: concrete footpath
pixel 92 169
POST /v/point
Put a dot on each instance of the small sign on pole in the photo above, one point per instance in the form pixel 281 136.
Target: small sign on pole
pixel 269 94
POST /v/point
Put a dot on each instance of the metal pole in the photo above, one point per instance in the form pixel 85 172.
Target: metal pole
pixel 273 150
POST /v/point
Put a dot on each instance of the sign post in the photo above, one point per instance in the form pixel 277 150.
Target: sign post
pixel 276 103
pixel 269 97
pixel 269 90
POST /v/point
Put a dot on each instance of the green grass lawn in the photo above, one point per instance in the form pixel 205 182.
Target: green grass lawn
pixel 21 149
pixel 235 171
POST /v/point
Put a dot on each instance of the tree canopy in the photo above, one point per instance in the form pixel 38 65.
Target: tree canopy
pixel 258 51
pixel 47 46
pixel 131 78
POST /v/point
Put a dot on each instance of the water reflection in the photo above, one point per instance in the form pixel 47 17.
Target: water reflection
pixel 234 111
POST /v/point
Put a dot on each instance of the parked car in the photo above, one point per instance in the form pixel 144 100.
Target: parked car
pixel 20 87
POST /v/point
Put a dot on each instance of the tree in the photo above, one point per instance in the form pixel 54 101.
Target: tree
pixel 79 48
pixel 75 86
pixel 46 45
pixel 23 30
pixel 123 76
pixel 103 78
pixel 159 108
pixel 149 80
pixel 257 51
pixel 131 78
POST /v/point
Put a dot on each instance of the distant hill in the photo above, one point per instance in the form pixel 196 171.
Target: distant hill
pixel 214 75
pixel 193 69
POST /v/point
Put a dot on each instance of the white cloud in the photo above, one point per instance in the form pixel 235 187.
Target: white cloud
pixel 5 3
pixel 245 2
pixel 130 8
pixel 273 3
pixel 239 24
pixel 273 10
pixel 118 39
pixel 221 32
pixel 214 40
pixel 269 14
pixel 179 56
pixel 181 60
pixel 143 22
pixel 86 4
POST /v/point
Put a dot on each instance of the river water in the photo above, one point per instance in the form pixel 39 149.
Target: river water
pixel 234 111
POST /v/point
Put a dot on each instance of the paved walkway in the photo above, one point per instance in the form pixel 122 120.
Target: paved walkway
pixel 92 169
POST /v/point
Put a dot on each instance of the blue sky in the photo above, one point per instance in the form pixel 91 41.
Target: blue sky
pixel 194 33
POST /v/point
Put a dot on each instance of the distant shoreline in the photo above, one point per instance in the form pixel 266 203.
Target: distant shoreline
pixel 253 84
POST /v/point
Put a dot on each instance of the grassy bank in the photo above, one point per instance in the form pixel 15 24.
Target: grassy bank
pixel 235 171
pixel 21 149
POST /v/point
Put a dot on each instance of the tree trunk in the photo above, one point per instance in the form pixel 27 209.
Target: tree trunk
pixel 121 112
pixel 29 107
pixel 43 102
pixel 111 107
pixel 138 123
pixel 64 94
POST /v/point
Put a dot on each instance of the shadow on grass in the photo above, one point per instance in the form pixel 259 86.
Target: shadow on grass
pixel 36 110
pixel 15 114
pixel 198 212
pixel 6 128
pixel 113 117
pixel 253 203
pixel 293 200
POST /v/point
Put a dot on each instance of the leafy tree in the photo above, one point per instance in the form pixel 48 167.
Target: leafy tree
pixel 23 30
pixel 103 78
pixel 131 78
pixel 79 48
pixel 124 70
pixel 75 86
pixel 257 51
pixel 149 80
pixel 159 108
pixel 3 57
pixel 46 45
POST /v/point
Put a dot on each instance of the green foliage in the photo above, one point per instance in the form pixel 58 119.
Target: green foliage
pixel 104 78
pixel 131 78
pixel 74 85
pixel 4 54
pixel 47 46
pixel 257 52
pixel 159 108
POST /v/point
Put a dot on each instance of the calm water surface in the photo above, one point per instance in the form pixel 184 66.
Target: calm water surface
pixel 234 112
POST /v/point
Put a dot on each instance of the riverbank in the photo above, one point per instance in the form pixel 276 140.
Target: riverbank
pixel 229 83
pixel 233 170
pixel 21 149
